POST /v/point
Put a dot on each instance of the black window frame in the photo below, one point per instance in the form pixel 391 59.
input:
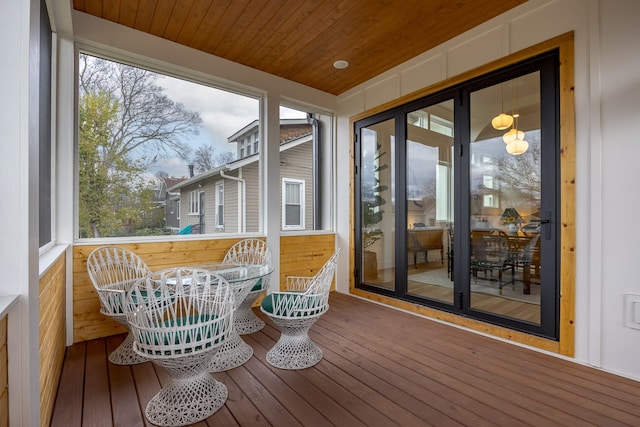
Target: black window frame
pixel 548 64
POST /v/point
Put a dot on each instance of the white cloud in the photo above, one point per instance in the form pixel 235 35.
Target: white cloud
pixel 173 166
pixel 223 113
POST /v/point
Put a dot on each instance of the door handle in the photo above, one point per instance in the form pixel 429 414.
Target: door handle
pixel 546 220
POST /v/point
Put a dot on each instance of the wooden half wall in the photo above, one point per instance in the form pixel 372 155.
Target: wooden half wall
pixel 305 255
pixel 299 256
pixel 52 334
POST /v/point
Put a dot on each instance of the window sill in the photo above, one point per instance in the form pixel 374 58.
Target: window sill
pixel 6 302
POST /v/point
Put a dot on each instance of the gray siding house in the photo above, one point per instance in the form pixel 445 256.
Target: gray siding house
pixel 226 199
pixel 170 201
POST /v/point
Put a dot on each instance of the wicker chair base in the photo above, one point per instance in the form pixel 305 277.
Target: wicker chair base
pixel 124 354
pixel 294 349
pixel 231 354
pixel 245 320
pixel 191 395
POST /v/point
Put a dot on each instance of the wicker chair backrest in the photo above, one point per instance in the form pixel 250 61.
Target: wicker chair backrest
pixel 249 251
pixel 113 270
pixel 314 297
pixel 179 311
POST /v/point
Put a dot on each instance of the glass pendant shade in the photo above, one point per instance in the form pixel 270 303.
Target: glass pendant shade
pixel 517 146
pixel 512 135
pixel 502 121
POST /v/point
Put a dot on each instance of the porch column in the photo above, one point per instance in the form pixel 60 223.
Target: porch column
pixel 270 173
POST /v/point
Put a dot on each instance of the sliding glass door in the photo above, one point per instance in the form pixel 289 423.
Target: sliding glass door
pixel 429 201
pixel 457 200
pixel 377 205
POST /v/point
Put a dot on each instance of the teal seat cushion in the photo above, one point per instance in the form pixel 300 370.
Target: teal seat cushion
pixel 183 321
pixel 267 303
pixel 201 333
pixel 271 300
pixel 143 295
pixel 257 286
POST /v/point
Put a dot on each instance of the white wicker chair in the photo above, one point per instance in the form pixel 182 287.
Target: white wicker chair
pixel 179 318
pixel 294 311
pixel 113 270
pixel 247 252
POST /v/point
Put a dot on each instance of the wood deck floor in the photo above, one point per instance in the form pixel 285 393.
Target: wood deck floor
pixel 381 367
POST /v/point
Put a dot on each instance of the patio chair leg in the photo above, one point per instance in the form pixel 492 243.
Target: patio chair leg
pixel 231 354
pixel 124 354
pixel 191 396
pixel 294 349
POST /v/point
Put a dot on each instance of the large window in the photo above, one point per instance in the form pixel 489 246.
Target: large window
pixel 146 140
pixel 139 129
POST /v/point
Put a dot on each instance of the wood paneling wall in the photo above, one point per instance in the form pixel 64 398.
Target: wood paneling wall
pixel 305 255
pixel 52 334
pixel 300 256
pixel 4 374
pixel 88 323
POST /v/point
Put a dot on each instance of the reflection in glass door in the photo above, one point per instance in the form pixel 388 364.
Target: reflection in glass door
pixel 429 192
pixel 505 211
pixel 473 168
pixel 377 204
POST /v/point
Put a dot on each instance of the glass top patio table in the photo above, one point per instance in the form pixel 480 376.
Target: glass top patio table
pixel 241 277
pixel 233 273
pixel 238 276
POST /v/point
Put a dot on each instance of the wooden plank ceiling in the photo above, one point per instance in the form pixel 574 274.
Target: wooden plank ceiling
pixel 301 39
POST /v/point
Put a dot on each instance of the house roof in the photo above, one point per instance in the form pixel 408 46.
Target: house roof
pixel 300 40
pixel 290 143
pixel 284 123
pixel 170 181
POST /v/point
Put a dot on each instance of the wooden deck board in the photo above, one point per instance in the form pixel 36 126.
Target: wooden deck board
pixel 124 399
pixel 147 384
pixel 266 404
pixel 97 397
pixel 312 393
pixel 381 367
pixel 68 404
pixel 436 388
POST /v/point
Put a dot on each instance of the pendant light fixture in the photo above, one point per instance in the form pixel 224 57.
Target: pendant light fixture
pixel 517 146
pixel 513 133
pixel 514 139
pixel 502 121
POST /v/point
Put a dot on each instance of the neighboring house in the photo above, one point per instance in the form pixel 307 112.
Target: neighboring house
pixel 170 200
pixel 226 199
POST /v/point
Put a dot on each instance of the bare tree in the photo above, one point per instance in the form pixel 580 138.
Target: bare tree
pixel 126 123
pixel 205 158
pixel 147 120
pixel 522 173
